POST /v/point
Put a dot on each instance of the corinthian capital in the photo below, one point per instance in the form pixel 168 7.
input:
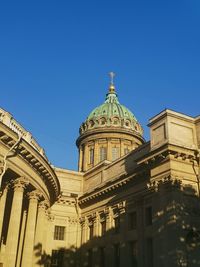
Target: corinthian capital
pixel 20 183
pixel 34 195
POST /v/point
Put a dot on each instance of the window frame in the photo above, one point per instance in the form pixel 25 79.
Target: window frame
pixel 115 153
pixel 102 153
pixel 59 232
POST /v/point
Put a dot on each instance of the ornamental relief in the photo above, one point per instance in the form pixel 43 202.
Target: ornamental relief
pixel 114 121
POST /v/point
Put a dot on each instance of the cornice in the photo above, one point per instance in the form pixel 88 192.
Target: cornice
pixel 107 129
pixel 109 186
pixel 163 152
pixel 7 119
pixel 32 157
pixel 144 164
pixel 171 113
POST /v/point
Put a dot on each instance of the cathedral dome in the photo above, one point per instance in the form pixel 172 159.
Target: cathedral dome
pixel 111 114
pixel 108 133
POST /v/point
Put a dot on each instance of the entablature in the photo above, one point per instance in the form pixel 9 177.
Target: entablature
pixel 25 151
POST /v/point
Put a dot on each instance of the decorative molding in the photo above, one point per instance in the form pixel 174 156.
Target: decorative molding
pixel 65 200
pixel 72 220
pixel 43 205
pixel 39 163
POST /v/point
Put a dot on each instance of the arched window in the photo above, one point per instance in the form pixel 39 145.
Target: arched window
pixel 103 121
pixel 91 123
pixel 115 121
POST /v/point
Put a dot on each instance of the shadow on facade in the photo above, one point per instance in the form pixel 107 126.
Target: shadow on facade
pixel 166 231
pixel 176 224
pixel 172 238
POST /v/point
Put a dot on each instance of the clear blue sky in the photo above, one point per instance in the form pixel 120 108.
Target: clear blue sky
pixel 55 57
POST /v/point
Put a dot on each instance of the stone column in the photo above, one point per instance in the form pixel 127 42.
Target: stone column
pixel 14 223
pixel 80 164
pixel 96 225
pixel 21 239
pixel 84 230
pixel 46 232
pixel 121 147
pixel 40 232
pixel 2 206
pixel 78 234
pixel 109 223
pixel 86 156
pixel 27 257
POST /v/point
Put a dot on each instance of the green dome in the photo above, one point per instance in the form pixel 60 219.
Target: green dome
pixel 111 114
pixel 110 108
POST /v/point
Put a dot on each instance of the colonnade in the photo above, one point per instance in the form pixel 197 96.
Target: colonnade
pixel 25 228
pixel 97 220
pixel 108 143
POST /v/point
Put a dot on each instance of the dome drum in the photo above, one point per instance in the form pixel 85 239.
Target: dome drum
pixel 109 132
pixel 114 121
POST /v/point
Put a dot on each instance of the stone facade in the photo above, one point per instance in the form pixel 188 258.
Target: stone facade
pixel 139 209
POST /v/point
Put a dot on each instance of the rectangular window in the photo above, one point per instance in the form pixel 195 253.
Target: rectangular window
pixel 103 228
pixel 103 153
pixel 132 220
pixel 149 252
pixel 148 216
pixel 59 232
pixel 133 245
pixel 91 155
pixel 117 255
pixel 57 258
pixel 91 229
pixel 115 153
pixel 117 224
pixel 102 256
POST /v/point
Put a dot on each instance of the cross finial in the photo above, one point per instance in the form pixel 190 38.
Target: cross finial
pixel 112 75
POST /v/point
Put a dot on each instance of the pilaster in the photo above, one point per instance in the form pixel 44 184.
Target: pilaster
pixel 80 164
pixel 109 150
pixel 96 152
pixel 85 161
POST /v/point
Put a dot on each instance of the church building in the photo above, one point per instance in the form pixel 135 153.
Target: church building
pixel 132 203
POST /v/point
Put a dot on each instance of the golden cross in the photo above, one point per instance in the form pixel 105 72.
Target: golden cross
pixel 112 75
